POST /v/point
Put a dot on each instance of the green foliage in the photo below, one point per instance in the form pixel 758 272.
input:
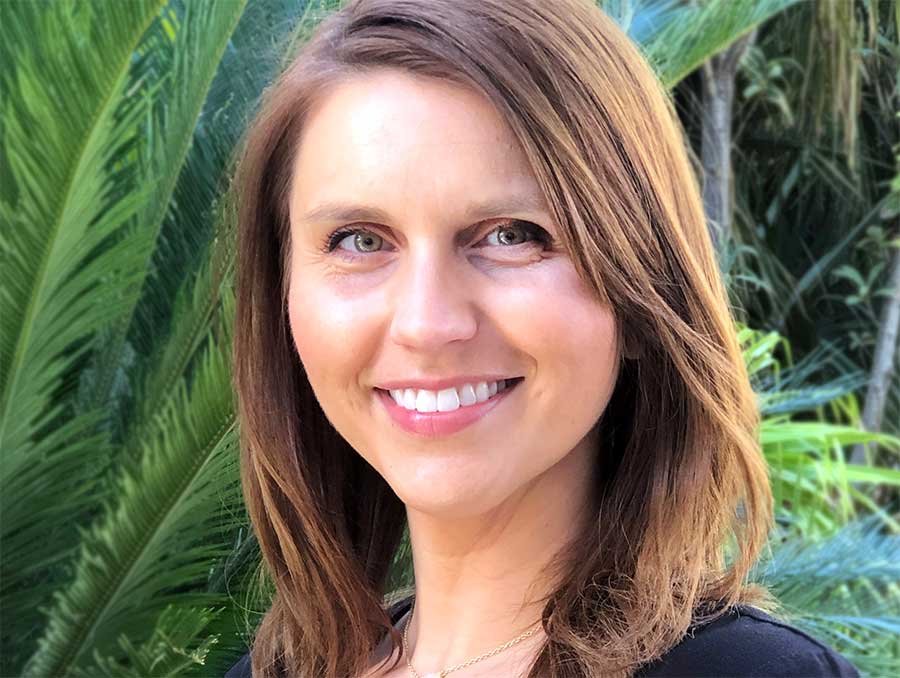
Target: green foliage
pixel 817 181
pixel 816 490
pixel 860 284
pixel 833 560
pixel 71 190
pixel 175 647
pixel 767 85
pixel 129 483
pixel 676 37
pixel 842 589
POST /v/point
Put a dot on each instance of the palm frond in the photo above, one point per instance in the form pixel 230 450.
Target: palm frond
pixel 188 66
pixel 842 589
pixel 167 523
pixel 641 19
pixel 680 39
pixel 783 386
pixel 58 209
pixel 69 188
pixel 200 317
pixel 193 258
pixel 175 646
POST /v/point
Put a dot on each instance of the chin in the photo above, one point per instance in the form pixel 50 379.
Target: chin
pixel 450 499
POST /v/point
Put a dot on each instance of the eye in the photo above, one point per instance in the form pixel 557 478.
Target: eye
pixel 518 232
pixel 363 240
pixel 508 235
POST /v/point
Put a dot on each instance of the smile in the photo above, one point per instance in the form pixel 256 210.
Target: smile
pixel 440 413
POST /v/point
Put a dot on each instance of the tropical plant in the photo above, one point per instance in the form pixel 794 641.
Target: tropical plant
pixel 116 420
pixel 125 548
pixel 842 589
pixel 816 490
pixel 817 182
pixel 834 556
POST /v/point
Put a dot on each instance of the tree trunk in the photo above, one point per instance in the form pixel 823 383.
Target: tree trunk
pixel 717 76
pixel 882 363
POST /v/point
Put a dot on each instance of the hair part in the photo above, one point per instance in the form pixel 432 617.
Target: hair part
pixel 681 482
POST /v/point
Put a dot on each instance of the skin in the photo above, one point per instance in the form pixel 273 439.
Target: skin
pixel 489 505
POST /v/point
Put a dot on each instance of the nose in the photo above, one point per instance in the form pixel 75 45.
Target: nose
pixel 432 303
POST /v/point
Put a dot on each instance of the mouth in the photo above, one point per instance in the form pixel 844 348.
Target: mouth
pixel 425 419
pixel 503 386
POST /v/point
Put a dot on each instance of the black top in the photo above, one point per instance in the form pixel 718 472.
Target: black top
pixel 746 643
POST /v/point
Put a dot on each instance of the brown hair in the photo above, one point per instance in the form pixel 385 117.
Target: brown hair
pixel 684 501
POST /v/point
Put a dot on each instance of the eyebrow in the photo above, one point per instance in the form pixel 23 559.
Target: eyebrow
pixel 329 212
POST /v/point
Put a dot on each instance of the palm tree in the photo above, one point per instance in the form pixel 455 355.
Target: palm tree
pixel 116 416
pixel 125 544
pixel 817 189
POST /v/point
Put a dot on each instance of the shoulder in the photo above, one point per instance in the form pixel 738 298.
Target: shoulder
pixel 241 669
pixel 749 642
pixel 746 642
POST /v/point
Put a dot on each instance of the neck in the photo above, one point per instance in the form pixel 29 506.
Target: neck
pixel 479 579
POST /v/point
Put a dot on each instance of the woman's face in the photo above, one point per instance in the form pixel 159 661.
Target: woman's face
pixel 440 276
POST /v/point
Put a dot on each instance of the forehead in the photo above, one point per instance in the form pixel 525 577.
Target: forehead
pixel 393 137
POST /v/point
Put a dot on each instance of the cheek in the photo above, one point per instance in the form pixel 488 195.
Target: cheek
pixel 569 335
pixel 332 334
pixel 335 341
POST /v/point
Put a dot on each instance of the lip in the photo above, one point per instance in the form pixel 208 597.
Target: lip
pixel 437 424
pixel 438 384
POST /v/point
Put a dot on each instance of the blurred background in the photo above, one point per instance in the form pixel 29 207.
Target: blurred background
pixel 125 547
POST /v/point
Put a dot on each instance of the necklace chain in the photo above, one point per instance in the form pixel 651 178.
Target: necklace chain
pixel 444 672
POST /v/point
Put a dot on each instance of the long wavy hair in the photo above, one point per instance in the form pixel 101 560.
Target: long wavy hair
pixel 684 504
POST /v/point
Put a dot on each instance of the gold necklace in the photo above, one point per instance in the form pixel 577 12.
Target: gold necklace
pixel 444 672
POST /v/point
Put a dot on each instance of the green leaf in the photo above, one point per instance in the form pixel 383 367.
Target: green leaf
pixel 199 43
pixel 168 518
pixel 694 33
pixel 848 273
pixel 841 589
pixel 68 129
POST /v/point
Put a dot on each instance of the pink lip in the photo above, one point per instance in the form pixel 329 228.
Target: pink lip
pixel 436 424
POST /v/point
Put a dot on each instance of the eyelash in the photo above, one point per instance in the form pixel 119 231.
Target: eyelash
pixel 540 236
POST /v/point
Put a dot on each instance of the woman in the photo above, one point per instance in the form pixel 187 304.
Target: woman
pixel 477 297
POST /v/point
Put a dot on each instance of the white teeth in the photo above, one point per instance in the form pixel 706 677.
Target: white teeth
pixel 448 399
pixel 409 399
pixel 482 391
pixel 467 395
pixel 426 401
